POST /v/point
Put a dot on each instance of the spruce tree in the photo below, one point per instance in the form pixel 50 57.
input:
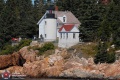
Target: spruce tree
pixel 2 5
pixel 89 14
pixel 101 56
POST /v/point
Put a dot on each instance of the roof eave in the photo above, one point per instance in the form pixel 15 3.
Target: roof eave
pixel 41 19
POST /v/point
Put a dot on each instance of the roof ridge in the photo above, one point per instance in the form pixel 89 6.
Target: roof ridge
pixel 62 11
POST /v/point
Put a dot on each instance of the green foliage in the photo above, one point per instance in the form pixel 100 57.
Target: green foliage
pixel 23 43
pixel 46 46
pixel 111 58
pixel 8 49
pixel 117 39
pixel 103 56
pixel 18 18
pixel 89 14
pixel 98 21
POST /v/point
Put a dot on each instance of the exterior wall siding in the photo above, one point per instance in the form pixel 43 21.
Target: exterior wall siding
pixel 41 28
pixel 68 42
pixel 50 29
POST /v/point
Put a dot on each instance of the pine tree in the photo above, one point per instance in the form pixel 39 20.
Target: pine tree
pixel 109 28
pixel 89 14
pixel 39 10
pixel 102 55
pixel 115 21
pixel 90 17
pixel 2 5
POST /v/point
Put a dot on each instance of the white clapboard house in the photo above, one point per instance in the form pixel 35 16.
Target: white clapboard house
pixel 62 25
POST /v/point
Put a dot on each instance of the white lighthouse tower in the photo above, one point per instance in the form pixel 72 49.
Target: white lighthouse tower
pixel 50 27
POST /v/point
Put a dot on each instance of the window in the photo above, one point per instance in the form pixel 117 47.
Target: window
pixel 45 22
pixel 73 35
pixel 67 35
pixel 57 24
pixel 61 35
pixel 63 19
pixel 45 35
pixel 64 36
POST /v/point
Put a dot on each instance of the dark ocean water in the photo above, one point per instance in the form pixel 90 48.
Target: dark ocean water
pixel 62 79
pixel 69 79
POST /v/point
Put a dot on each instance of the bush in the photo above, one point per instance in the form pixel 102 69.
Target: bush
pixel 25 42
pixel 8 49
pixel 46 46
pixel 103 56
pixel 111 58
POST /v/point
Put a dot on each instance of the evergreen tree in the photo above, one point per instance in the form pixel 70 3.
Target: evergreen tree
pixel 103 56
pixel 109 28
pixel 91 20
pixel 89 14
pixel 39 10
pixel 18 18
pixel 1 5
pixel 114 18
pixel 24 18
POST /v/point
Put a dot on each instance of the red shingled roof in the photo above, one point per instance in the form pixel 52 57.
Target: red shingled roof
pixel 67 27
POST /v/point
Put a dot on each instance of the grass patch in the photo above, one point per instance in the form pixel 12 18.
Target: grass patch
pixel 89 49
pixel 48 52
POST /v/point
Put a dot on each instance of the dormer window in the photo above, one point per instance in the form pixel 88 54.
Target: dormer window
pixel 63 19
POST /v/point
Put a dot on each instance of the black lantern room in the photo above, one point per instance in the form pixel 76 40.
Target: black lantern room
pixel 50 12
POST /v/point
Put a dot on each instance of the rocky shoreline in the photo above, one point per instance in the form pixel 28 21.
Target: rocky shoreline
pixel 61 64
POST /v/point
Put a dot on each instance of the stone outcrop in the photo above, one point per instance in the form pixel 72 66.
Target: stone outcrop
pixel 14 59
pixel 36 43
pixel 29 55
pixel 86 68
pixel 57 65
pixel 49 66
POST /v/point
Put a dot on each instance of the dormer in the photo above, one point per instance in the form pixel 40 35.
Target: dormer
pixel 64 19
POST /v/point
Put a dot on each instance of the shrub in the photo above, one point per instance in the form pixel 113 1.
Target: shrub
pixel 111 58
pixel 46 46
pixel 103 56
pixel 8 49
pixel 25 42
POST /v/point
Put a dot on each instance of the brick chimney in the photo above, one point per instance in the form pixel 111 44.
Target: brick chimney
pixel 56 8
pixel 105 1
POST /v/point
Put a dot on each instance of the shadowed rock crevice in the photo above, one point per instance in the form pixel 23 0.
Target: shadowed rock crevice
pixel 21 60
pixel 14 59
